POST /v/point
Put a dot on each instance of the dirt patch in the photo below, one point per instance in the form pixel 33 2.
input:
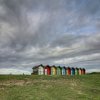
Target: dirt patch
pixel 15 82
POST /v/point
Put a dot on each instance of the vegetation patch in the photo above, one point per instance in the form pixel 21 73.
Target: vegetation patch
pixel 34 87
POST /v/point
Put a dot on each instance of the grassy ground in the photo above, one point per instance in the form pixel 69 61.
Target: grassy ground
pixel 25 87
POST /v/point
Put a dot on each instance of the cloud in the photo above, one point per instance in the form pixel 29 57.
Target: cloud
pixel 48 32
pixel 93 70
pixel 79 59
pixel 13 71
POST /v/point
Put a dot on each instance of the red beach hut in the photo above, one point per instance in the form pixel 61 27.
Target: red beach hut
pixel 47 70
pixel 68 71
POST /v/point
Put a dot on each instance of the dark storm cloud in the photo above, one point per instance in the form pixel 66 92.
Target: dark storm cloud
pixel 49 32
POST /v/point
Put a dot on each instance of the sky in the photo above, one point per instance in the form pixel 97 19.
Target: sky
pixel 54 32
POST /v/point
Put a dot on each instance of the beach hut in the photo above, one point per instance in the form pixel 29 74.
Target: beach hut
pixel 35 70
pixel 72 71
pixel 76 71
pixel 80 71
pixel 41 70
pixel 59 70
pixel 47 70
pixel 68 71
pixel 64 70
pixel 83 71
pixel 53 70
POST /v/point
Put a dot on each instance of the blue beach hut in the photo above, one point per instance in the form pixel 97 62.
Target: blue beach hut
pixel 63 70
pixel 72 71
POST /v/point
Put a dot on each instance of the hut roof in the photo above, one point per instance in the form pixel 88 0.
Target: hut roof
pixel 64 67
pixel 80 68
pixel 77 68
pixel 53 66
pixel 72 68
pixel 34 67
pixel 68 68
pixel 37 66
pixel 47 66
pixel 59 67
pixel 83 68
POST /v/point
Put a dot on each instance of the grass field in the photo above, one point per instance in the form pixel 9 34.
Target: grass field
pixel 26 87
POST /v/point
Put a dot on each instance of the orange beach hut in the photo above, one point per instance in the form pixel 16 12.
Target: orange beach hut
pixel 80 71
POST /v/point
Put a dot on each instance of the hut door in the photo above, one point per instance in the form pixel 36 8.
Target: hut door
pixel 45 71
pixel 41 71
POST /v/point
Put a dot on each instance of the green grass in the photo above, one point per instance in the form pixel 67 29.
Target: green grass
pixel 26 87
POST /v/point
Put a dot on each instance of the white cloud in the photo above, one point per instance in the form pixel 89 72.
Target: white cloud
pixel 78 59
pixel 35 19
pixel 49 31
pixel 2 10
pixel 92 70
pixel 13 71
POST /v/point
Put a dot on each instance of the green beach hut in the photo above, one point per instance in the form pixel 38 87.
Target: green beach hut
pixel 76 71
pixel 59 70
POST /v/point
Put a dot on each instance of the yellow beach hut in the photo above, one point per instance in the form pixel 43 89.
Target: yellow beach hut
pixel 53 70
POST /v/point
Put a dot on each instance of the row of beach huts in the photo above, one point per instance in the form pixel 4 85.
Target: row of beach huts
pixel 57 70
